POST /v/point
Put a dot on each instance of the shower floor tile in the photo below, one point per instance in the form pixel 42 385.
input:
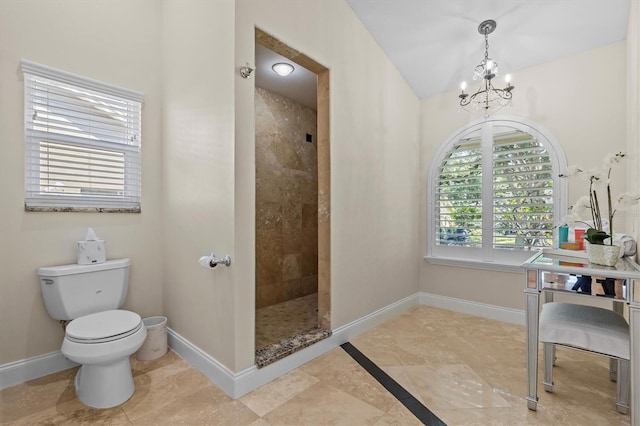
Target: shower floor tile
pixel 284 320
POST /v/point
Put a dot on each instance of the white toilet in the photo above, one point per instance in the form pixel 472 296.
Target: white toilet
pixel 100 336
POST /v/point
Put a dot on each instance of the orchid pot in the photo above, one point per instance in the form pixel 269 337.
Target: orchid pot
pixel 602 254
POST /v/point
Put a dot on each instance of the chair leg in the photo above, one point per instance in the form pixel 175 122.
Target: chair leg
pixel 549 358
pixel 613 369
pixel 622 401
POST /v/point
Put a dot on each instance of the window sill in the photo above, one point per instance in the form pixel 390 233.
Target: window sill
pixel 83 209
pixel 503 266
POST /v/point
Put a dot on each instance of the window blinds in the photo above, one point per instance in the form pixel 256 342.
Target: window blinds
pixel 82 142
pixel 522 192
pixel 458 199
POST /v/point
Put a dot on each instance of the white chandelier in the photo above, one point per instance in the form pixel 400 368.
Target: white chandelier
pixel 487 99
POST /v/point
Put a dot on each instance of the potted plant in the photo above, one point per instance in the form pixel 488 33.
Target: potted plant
pixel 599 241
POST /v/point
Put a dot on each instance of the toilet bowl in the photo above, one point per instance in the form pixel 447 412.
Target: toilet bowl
pixel 103 342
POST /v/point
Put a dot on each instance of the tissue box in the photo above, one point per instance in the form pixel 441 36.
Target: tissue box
pixel 90 252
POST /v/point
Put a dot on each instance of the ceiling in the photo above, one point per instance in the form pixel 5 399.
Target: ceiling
pixel 435 44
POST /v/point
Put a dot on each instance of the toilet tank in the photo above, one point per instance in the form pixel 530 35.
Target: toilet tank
pixel 72 291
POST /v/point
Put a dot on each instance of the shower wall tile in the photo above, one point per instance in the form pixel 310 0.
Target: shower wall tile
pixel 269 261
pixel 310 216
pixel 268 214
pixel 293 186
pixel 312 191
pixel 269 294
pixel 324 200
pixel 285 154
pixel 323 203
pixel 291 266
pixel 286 199
pixel 310 283
pixel 324 292
pixel 291 240
pixel 310 241
pixel 268 186
pixel 295 288
pixel 292 214
pixel 309 265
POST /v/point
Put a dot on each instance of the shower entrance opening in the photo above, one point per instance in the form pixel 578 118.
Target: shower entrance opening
pixel 292 287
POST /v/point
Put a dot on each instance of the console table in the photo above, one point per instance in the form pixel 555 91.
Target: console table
pixel 555 271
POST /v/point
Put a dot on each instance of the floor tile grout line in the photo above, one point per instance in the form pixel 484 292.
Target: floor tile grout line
pixel 418 409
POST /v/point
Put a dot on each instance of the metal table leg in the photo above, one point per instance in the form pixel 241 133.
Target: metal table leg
pixel 618 307
pixel 532 314
pixel 634 329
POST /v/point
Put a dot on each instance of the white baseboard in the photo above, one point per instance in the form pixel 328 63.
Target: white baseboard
pixel 243 382
pixel 512 316
pixel 33 368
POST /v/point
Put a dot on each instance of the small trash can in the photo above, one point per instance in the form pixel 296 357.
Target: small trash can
pixel 155 345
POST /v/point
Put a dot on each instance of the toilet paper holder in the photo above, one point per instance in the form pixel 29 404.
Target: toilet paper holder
pixel 215 260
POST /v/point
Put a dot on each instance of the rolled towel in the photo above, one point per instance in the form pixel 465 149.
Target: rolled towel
pixel 628 246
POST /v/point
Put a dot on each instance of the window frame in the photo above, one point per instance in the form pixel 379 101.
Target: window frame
pixel 486 257
pixel 91 144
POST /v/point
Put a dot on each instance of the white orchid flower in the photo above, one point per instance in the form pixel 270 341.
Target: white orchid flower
pixel 613 159
pixel 597 176
pixel 572 218
pixel 582 208
pixel 572 171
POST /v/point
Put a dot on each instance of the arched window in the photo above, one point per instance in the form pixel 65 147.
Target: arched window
pixel 494 192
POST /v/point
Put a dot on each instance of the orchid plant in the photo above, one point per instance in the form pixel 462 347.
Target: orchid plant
pixel 598 178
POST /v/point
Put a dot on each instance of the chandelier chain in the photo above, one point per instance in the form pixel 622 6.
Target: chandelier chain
pixel 486 47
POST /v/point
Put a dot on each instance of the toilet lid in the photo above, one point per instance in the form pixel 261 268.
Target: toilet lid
pixel 103 326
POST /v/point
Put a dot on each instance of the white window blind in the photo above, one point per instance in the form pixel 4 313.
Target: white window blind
pixel 522 192
pixel 82 141
pixel 458 202
pixel 495 192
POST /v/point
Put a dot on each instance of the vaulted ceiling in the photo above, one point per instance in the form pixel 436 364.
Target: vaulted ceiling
pixel 435 44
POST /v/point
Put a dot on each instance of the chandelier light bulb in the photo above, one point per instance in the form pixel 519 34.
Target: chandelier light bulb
pixel 507 78
pixel 463 85
pixel 490 65
pixel 282 69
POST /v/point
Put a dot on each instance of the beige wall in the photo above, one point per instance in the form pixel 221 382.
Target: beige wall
pixel 198 165
pixel 374 155
pixel 580 100
pixel 633 112
pixel 115 41
pixel 209 190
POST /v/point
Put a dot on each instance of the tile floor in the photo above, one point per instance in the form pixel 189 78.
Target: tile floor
pixel 467 370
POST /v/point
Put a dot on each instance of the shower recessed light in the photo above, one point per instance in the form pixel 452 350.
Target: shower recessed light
pixel 282 69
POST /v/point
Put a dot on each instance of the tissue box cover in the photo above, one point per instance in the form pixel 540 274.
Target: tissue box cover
pixel 90 252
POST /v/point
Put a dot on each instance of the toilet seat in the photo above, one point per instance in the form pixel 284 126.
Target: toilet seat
pixel 103 327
